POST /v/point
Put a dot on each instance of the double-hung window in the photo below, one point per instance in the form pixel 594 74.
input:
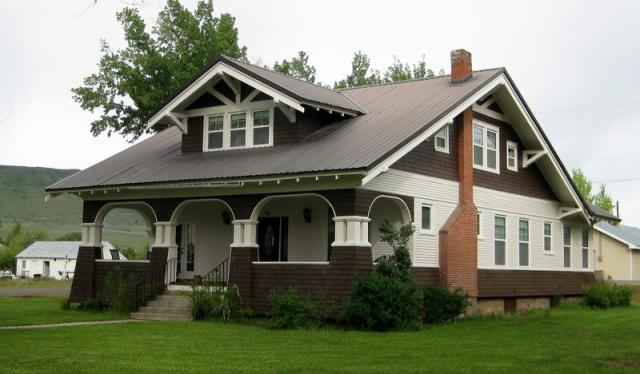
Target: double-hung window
pixel 500 238
pixel 426 217
pixel 441 143
pixel 567 246
pixel 215 131
pixel 547 237
pixel 261 127
pixel 238 137
pixel 585 248
pixel 523 243
pixel 512 156
pixel 485 148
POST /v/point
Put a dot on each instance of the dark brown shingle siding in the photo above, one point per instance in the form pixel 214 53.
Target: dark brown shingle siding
pixel 192 140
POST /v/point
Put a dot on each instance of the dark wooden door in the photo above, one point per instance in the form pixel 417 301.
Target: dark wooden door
pixel 273 238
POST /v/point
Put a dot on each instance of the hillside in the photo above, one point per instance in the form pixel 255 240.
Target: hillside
pixel 22 200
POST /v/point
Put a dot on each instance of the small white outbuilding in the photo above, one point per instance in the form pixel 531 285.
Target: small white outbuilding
pixel 56 259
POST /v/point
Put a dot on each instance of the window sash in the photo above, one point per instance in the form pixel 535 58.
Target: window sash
pixel 547 236
pixel 500 237
pixel 441 142
pixel 523 244
pixel 512 156
pixel 486 142
pixel 426 217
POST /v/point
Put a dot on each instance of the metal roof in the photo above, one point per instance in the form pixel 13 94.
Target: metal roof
pixel 51 249
pixel 601 213
pixel 396 112
pixel 628 234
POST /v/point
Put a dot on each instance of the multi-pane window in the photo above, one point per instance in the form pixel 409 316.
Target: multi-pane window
pixel 500 238
pixel 485 148
pixel 441 143
pixel 512 156
pixel 567 246
pixel 261 122
pixel 238 136
pixel 585 248
pixel 215 131
pixel 426 217
pixel 523 242
pixel 547 236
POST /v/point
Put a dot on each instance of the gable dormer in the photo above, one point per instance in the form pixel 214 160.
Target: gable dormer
pixel 234 105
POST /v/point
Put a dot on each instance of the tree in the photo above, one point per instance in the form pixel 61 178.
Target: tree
pixel 361 73
pixel 18 239
pixel 133 81
pixel 585 187
pixel 398 71
pixel 298 67
pixel 70 237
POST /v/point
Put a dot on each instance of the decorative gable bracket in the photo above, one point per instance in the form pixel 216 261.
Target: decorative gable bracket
pixel 529 157
pixel 566 212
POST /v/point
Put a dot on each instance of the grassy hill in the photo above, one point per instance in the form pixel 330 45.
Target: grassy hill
pixel 22 200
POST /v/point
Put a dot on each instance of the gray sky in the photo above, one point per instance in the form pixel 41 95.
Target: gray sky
pixel 574 61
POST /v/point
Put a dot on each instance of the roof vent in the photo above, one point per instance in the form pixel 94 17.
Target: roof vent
pixel 460 66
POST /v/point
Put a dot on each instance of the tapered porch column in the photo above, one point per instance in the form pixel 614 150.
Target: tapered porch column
pixel 166 238
pixel 244 251
pixel 351 231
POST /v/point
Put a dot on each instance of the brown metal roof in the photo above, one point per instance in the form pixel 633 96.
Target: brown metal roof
pixel 396 112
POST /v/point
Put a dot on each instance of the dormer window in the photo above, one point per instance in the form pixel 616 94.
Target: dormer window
pixel 246 129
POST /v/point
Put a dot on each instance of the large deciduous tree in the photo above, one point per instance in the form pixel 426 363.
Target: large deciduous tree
pixel 133 81
pixel 297 67
pixel 585 187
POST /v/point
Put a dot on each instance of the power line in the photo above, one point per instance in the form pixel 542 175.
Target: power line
pixel 592 107
pixel 618 180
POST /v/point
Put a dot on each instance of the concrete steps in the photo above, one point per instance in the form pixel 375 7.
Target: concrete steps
pixel 166 307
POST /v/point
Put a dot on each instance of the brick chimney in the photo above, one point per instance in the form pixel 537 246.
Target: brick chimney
pixel 460 66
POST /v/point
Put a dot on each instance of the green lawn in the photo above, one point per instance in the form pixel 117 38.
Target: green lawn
pixel 32 283
pixel 36 310
pixel 569 339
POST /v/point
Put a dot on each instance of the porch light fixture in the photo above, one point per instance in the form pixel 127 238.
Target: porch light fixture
pixel 226 217
pixel 306 213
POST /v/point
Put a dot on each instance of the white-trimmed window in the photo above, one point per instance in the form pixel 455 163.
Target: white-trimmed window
pixel 500 239
pixel 546 233
pixel 238 132
pixel 215 132
pixel 426 220
pixel 585 248
pixel 441 143
pixel 523 242
pixel 566 234
pixel 261 127
pixel 512 156
pixel 479 225
pixel 485 147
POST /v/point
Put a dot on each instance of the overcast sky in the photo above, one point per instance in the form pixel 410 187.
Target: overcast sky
pixel 574 61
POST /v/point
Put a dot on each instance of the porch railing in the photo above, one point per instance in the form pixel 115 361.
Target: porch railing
pixel 148 287
pixel 219 276
pixel 171 271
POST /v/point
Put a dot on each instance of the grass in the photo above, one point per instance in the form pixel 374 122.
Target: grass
pixel 32 283
pixel 567 339
pixel 18 311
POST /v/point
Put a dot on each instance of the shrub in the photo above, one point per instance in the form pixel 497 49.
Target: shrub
pixel 290 310
pixel 381 303
pixel 606 295
pixel 441 305
pixel 92 304
pixel 211 302
pixel 119 291
pixel 65 304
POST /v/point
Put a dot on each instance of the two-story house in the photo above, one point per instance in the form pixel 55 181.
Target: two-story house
pixel 272 182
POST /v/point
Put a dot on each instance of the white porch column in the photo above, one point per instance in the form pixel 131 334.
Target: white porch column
pixel 244 233
pixel 91 235
pixel 351 231
pixel 166 237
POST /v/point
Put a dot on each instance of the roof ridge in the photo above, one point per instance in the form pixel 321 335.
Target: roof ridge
pixel 411 80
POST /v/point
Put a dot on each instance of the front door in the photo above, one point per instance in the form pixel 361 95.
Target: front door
pixel 273 238
pixel 46 269
pixel 180 251
pixel 189 250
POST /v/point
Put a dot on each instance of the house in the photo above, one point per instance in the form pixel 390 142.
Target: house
pixel 271 182
pixel 56 259
pixel 617 250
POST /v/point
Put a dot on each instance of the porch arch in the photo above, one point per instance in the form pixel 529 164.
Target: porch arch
pixel 255 214
pixel 145 210
pixel 393 209
pixel 182 205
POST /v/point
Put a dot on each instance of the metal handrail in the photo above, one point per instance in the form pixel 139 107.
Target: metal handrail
pixel 148 287
pixel 219 276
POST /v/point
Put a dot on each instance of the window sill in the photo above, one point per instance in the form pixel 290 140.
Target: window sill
pixel 488 170
pixel 548 253
pixel 441 150
pixel 427 232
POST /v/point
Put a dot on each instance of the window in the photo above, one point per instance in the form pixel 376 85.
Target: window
pixel 485 148
pixel 479 225
pixel 238 136
pixel 523 244
pixel 441 143
pixel 512 156
pixel 24 264
pixel 567 246
pixel 115 255
pixel 547 236
pixel 261 127
pixel 215 132
pixel 500 237
pixel 585 248
pixel 426 217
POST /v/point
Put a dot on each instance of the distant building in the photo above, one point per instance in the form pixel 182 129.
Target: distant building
pixel 56 259
pixel 618 251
